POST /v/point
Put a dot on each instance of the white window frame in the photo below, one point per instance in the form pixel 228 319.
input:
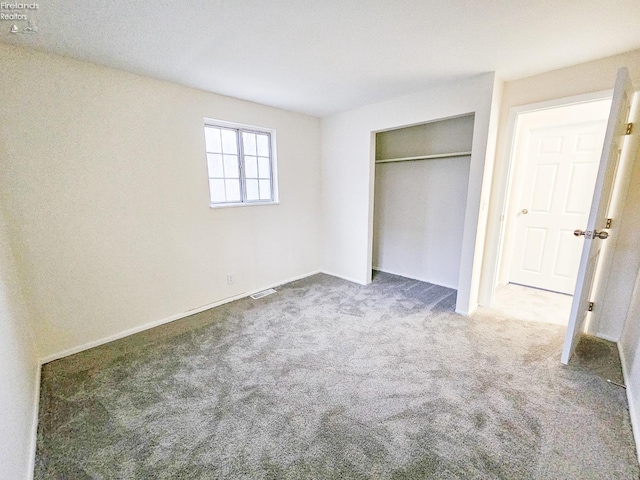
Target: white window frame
pixel 239 127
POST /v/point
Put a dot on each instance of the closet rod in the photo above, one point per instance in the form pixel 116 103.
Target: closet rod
pixel 424 157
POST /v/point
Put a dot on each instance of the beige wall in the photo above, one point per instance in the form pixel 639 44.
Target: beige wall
pixel 104 181
pixel 18 382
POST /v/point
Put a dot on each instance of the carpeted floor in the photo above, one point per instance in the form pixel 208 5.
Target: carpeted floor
pixel 331 380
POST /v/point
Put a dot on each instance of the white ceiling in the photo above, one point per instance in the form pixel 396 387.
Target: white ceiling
pixel 325 56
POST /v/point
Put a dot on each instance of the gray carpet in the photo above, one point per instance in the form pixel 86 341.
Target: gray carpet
pixel 331 380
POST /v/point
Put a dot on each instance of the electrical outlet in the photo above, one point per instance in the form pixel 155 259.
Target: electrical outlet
pixel 230 278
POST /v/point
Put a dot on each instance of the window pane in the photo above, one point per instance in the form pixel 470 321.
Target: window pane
pixel 263 145
pixel 264 167
pixel 251 167
pixel 212 139
pixel 215 165
pixel 265 190
pixel 249 144
pixel 231 166
pixel 233 190
pixel 229 141
pixel 239 164
pixel 252 190
pixel 216 191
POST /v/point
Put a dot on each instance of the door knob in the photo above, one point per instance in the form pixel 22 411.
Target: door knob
pixel 595 234
pixel 524 211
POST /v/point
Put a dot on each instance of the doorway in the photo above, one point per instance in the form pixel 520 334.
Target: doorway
pixel 554 164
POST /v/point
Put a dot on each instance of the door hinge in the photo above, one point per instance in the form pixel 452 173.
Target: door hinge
pixel 629 128
pixel 590 309
pixel 608 225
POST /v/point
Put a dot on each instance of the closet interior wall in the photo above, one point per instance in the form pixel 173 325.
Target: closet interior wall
pixel 419 204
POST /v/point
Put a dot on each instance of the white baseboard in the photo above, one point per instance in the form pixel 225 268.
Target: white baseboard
pixel 608 338
pixel 157 323
pixel 378 269
pixel 348 279
pixel 633 413
pixel 34 425
pixel 466 313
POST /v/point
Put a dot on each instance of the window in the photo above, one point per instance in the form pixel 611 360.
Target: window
pixel 240 161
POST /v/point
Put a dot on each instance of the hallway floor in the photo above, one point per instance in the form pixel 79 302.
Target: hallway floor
pixel 532 304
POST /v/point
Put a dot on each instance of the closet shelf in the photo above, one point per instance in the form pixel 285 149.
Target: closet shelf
pixel 424 157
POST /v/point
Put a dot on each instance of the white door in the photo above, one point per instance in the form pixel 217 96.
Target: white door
pixel 560 166
pixel 594 232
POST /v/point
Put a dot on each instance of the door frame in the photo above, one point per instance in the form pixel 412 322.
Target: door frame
pixel 493 275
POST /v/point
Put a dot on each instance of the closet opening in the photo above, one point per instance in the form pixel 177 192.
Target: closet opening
pixel 420 197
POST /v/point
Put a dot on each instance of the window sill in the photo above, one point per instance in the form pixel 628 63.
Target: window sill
pixel 216 206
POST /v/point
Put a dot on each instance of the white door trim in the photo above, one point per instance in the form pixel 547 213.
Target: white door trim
pixel 491 278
